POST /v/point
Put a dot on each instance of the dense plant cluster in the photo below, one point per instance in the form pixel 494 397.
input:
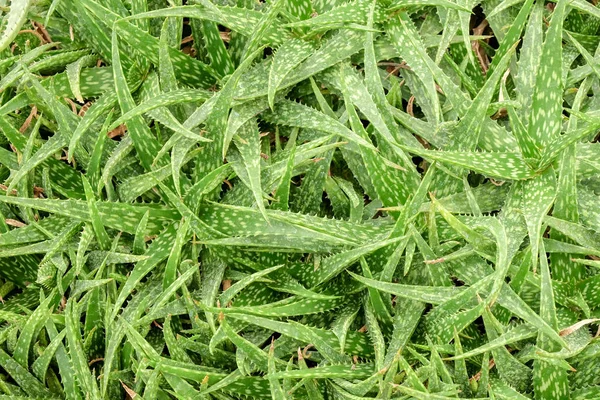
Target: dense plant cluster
pixel 294 199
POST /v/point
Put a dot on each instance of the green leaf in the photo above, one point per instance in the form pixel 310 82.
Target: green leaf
pixel 546 108
pixel 14 19
pixel 508 166
pixel 30 384
pixel 288 56
pixel 425 294
pixel 290 113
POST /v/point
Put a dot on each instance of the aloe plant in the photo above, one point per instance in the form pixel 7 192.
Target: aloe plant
pixel 328 199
